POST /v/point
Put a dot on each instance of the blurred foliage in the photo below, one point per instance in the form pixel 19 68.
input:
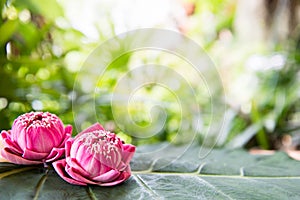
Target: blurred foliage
pixel 41 52
pixel 274 105
pixel 33 47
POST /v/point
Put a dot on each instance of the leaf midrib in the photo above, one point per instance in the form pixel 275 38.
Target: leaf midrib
pixel 211 175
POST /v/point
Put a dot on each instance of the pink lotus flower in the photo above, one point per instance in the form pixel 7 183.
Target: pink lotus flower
pixel 95 156
pixel 35 137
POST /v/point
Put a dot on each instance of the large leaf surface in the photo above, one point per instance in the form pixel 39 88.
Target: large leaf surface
pixel 168 172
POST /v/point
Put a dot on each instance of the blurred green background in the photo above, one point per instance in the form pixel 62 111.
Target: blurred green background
pixel 254 45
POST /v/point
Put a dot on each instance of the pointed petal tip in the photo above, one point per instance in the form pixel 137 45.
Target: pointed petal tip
pixel 55 154
pixel 68 129
pixel 123 177
pixel 129 147
pixel 96 126
pixel 4 134
pixel 59 167
pixel 17 159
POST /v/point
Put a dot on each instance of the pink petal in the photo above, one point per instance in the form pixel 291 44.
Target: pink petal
pixel 104 169
pixel 78 150
pixel 59 167
pixel 72 172
pixel 108 176
pixel 39 139
pixel 123 177
pixel 67 135
pixel 58 152
pixel 55 154
pixel 2 147
pixel 59 129
pixel 5 134
pixel 81 155
pixel 32 155
pixel 112 159
pixel 56 134
pixel 68 130
pixel 68 146
pixel 128 152
pixel 74 164
pixel 92 128
pixel 32 139
pixel 17 159
pixel 73 147
pixel 93 166
pixel 10 144
pixel 129 148
pixel 74 175
pixel 18 135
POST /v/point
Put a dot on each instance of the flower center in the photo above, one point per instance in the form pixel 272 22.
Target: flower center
pixel 100 141
pixel 37 119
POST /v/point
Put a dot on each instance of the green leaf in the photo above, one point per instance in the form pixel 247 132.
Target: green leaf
pixel 7 29
pixel 163 171
pixel 49 9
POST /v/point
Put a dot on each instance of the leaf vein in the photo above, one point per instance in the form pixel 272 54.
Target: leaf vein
pixel 147 187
